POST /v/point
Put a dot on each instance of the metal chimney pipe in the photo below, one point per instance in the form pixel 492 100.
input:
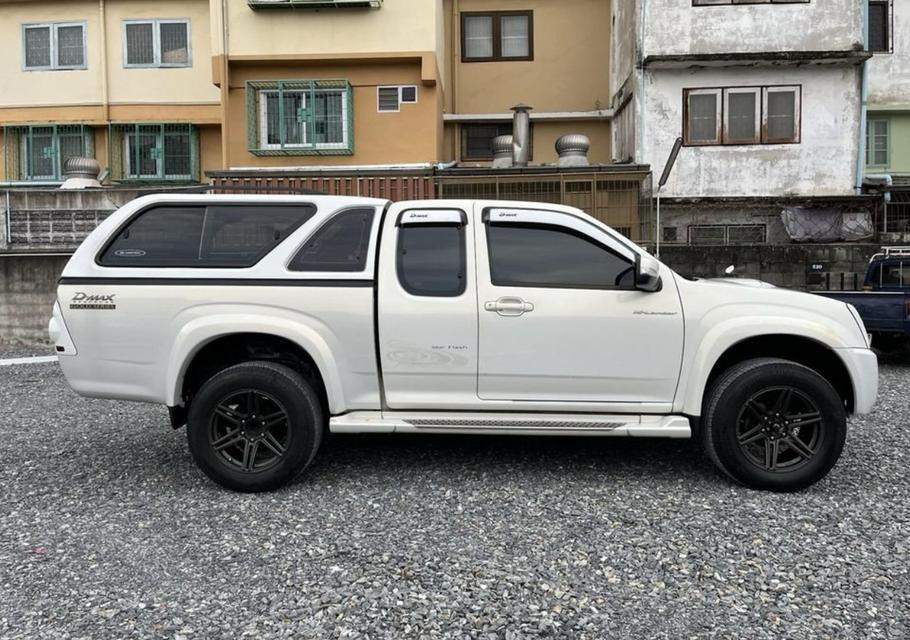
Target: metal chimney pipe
pixel 521 135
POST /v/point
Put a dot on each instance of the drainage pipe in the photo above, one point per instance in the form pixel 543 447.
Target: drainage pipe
pixel 863 107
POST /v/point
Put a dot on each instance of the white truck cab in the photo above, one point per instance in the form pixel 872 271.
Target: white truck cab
pixel 263 321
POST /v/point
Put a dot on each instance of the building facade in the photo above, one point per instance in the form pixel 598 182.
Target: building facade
pixel 126 82
pixel 766 97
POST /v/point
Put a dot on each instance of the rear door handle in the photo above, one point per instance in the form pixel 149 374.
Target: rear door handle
pixel 508 306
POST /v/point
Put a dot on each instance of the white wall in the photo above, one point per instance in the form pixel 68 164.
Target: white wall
pixel 675 27
pixel 889 73
pixel 822 164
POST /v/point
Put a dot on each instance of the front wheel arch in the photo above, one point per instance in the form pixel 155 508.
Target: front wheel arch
pixel 807 352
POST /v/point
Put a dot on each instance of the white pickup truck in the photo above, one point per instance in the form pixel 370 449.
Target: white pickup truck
pixel 263 321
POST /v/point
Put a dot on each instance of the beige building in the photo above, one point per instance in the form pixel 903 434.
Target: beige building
pixel 166 90
pixel 127 82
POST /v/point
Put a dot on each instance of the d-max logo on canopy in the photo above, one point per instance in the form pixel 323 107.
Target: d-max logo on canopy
pixel 82 300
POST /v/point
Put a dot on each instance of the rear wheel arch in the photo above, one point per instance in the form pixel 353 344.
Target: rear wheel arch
pixel 801 350
pixel 226 350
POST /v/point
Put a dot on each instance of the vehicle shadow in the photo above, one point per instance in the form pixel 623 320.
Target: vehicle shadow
pixel 531 456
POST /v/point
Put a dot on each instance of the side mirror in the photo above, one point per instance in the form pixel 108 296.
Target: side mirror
pixel 647 274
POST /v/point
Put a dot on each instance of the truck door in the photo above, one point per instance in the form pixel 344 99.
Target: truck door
pixel 427 307
pixel 560 319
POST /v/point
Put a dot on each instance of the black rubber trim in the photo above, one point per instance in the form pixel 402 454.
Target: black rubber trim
pixel 221 282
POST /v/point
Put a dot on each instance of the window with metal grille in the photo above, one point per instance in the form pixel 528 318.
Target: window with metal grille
pixel 742 115
pixel 341 244
pixel 156 43
pixel 54 46
pixel 670 234
pixel 727 234
pixel 391 98
pixel 497 35
pixel 877 143
pixel 37 152
pixel 154 151
pixel 477 139
pixel 880 26
pixel 299 117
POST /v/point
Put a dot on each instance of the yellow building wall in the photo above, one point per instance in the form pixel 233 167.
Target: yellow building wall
pixel 31 88
pixel 570 70
pixel 400 25
pixel 414 134
pixel 183 85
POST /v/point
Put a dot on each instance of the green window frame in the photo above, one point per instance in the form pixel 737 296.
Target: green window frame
pixel 154 152
pixel 299 117
pixel 36 152
pixel 878 143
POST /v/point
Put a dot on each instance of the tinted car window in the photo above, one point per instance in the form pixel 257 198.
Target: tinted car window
pixel 891 275
pixel 197 236
pixel 341 244
pixel 431 259
pixel 550 256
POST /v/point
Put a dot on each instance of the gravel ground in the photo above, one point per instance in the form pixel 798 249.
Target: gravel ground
pixel 108 530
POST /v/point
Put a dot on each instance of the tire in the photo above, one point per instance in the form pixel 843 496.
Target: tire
pixel 260 453
pixel 747 439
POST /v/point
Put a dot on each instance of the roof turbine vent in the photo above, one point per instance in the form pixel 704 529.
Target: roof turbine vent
pixel 572 149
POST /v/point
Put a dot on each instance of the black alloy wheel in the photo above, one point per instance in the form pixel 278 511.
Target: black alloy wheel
pixel 255 426
pixel 773 424
pixel 249 430
pixel 780 429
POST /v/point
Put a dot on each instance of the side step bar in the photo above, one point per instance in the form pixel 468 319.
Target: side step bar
pixel 647 426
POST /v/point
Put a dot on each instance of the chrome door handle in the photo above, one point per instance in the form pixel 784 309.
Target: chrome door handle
pixel 508 306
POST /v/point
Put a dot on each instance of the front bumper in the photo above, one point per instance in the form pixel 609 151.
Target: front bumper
pixel 863 367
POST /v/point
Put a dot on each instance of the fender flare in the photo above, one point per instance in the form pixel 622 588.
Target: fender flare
pixel 725 335
pixel 199 332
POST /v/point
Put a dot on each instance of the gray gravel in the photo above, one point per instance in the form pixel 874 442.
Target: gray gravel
pixel 108 530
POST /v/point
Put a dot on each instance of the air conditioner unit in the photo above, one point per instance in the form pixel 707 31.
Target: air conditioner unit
pixel 314 4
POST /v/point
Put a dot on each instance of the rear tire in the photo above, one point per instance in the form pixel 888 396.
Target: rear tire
pixel 773 424
pixel 255 426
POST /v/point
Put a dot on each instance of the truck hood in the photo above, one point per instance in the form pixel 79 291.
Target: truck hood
pixel 770 310
pixel 743 282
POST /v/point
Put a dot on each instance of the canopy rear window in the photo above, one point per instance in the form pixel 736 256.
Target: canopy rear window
pixel 217 235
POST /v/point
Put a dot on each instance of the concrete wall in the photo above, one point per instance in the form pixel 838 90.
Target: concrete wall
pixel 27 293
pixel 781 265
pixel 677 28
pixel 821 164
pixel 889 80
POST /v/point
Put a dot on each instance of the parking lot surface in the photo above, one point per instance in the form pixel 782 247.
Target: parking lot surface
pixel 107 529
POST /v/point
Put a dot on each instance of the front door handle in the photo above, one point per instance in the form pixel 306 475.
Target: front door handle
pixel 508 306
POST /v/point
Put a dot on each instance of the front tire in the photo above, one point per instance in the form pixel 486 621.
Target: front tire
pixel 255 426
pixel 773 424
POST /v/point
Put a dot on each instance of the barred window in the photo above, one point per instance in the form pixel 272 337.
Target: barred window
pixel 37 152
pixel 53 46
pixel 299 117
pixel 154 151
pixel 156 43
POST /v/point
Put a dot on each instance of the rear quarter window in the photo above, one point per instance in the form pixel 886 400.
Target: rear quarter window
pixel 216 235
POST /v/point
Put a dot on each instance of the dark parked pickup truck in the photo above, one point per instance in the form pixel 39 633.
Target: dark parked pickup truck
pixel 884 302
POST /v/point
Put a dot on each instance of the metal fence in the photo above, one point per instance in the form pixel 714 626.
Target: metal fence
pixel 895 215
pixel 621 200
